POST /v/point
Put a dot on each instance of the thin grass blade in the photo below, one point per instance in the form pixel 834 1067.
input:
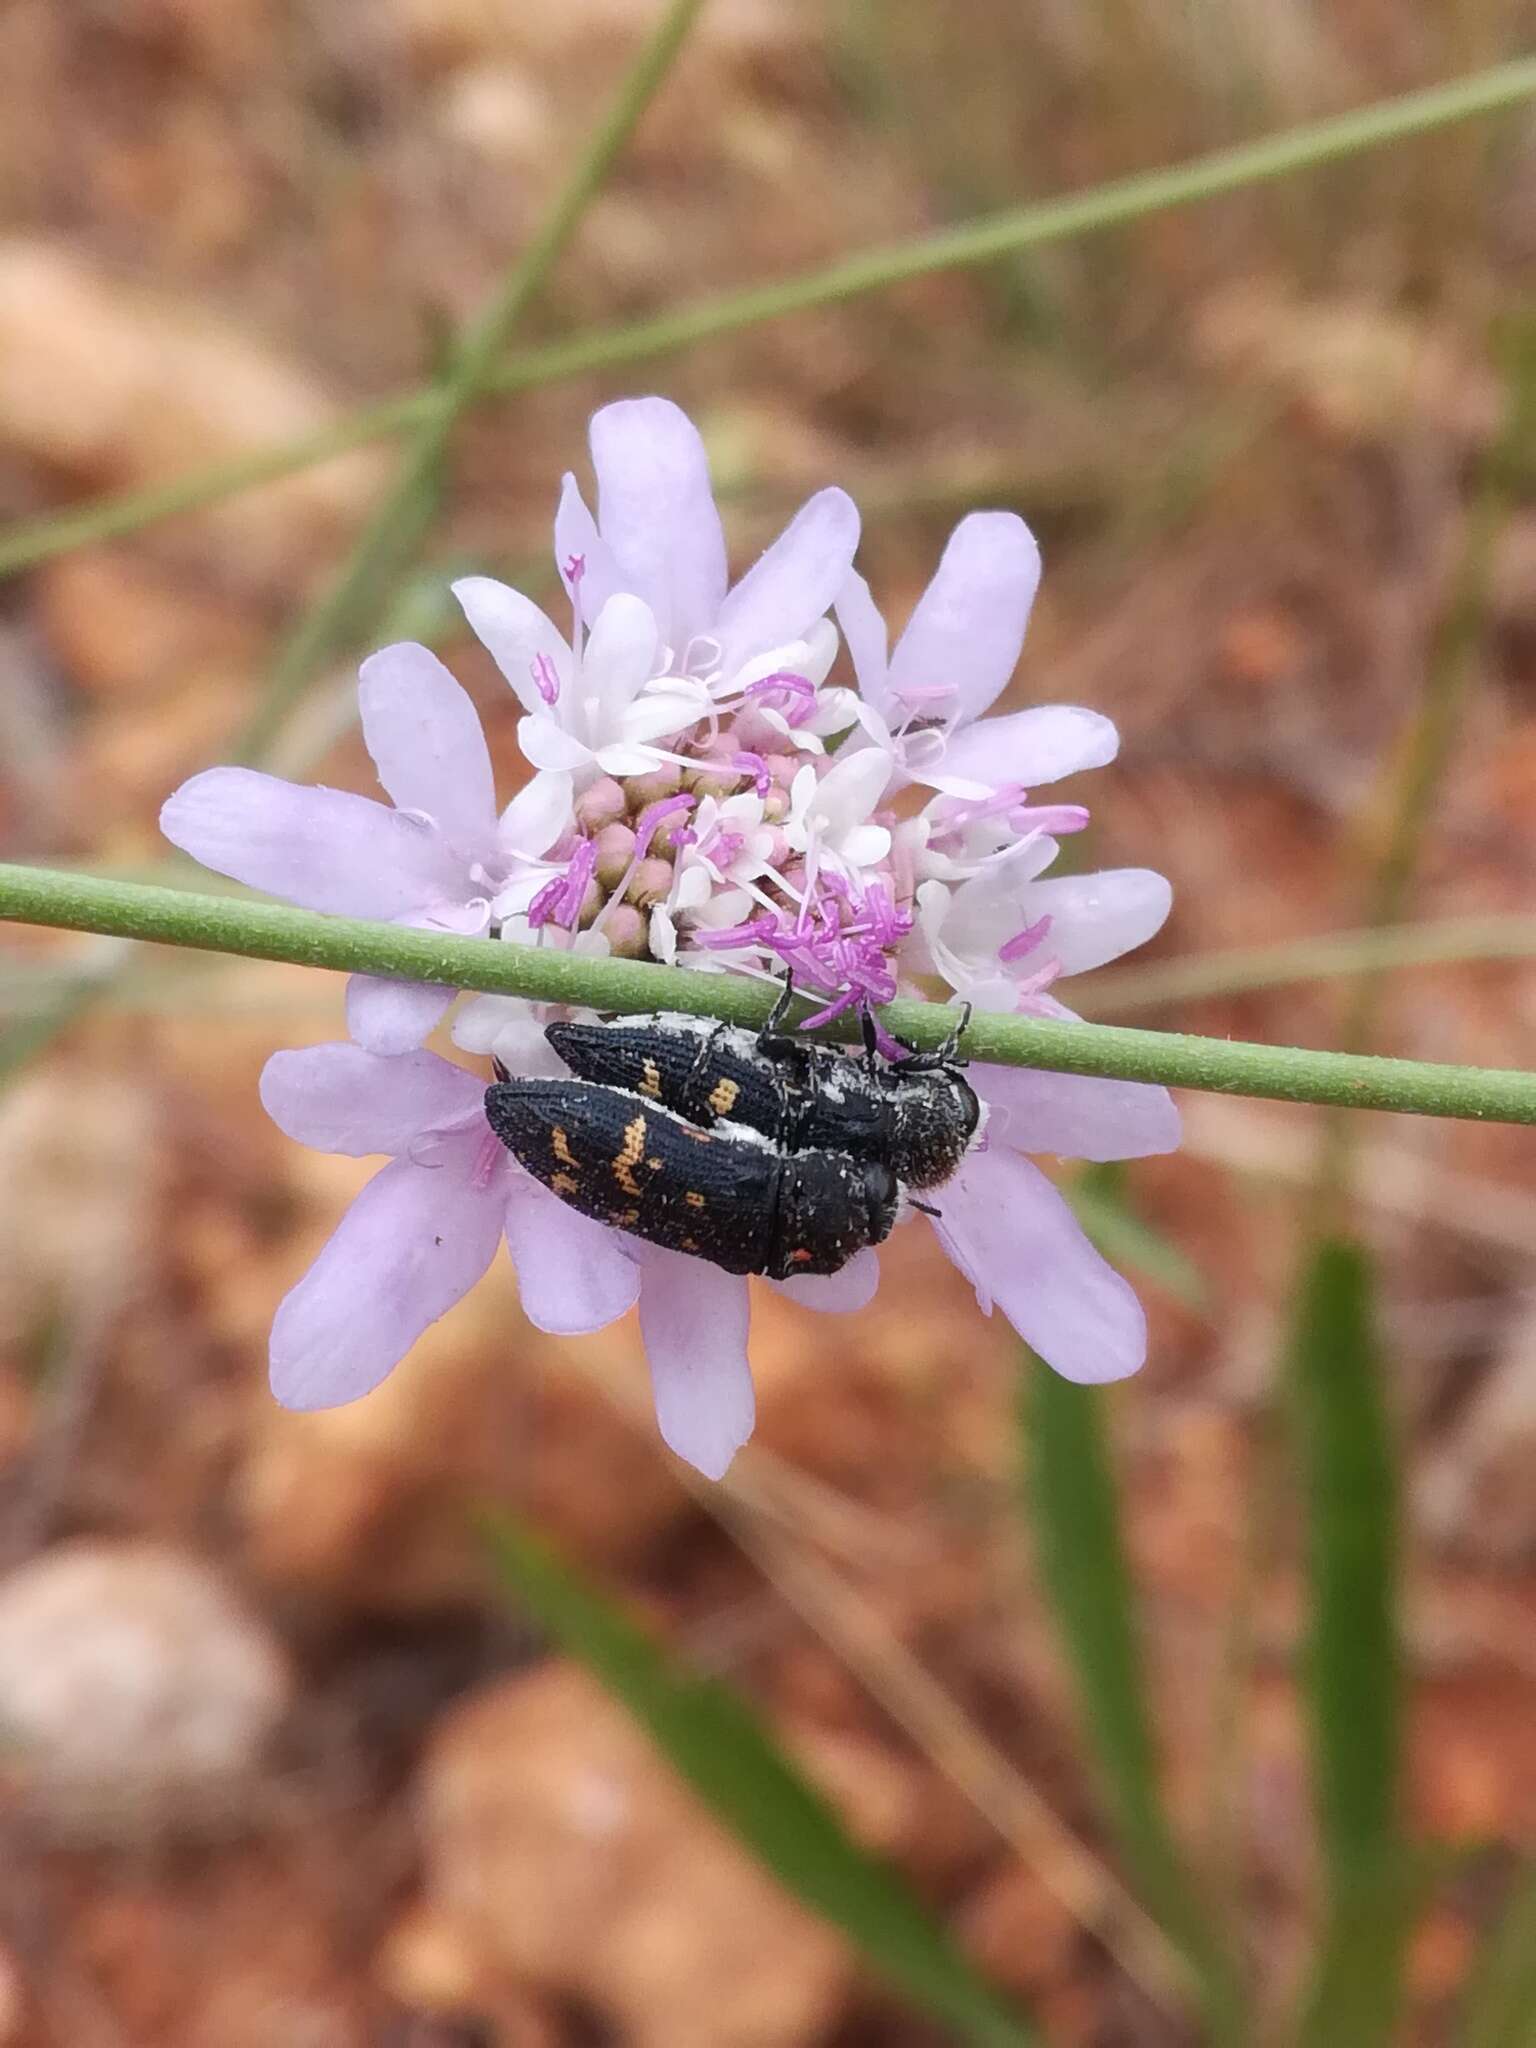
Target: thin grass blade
pixel 1073 1506
pixel 714 1740
pixel 1102 1204
pixel 1352 1673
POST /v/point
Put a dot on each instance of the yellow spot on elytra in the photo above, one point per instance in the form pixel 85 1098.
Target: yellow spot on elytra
pixel 629 1156
pixel 800 1257
pixel 562 1147
pixel 722 1097
pixel 688 1244
pixel 564 1184
pixel 694 1199
pixel 650 1083
pixel 655 1165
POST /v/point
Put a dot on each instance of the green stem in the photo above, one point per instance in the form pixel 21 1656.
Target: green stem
pixel 981 241
pixel 391 534
pixel 271 931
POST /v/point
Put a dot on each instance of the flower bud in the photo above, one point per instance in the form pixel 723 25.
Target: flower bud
pixel 664 780
pixel 778 850
pixel 650 884
pixel 715 778
pixel 756 733
pixel 592 902
pixel 664 839
pixel 628 932
pixel 615 850
pixel 600 803
pixel 775 806
pixel 783 768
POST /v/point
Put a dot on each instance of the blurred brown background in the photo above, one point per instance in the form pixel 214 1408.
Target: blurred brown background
pixel 301 1781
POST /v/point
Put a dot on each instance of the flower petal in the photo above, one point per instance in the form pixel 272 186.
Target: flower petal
pixel 577 541
pixel 1075 1116
pixel 864 630
pixel 393 1016
pixel 324 848
pixel 1096 918
pixel 968 625
pixel 537 815
pixel 521 641
pixel 341 1098
pixel 836 1293
pixel 425 738
pixel 656 511
pixel 619 660
pixel 789 586
pixel 573 1275
pixel 412 1244
pixel 1016 1241
pixel 513 1030
pixel 1032 747
pixel 547 746
pixel 694 1319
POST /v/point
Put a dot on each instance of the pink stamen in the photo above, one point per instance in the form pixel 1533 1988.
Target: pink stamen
pixel 1056 819
pixel 954 813
pixel 1025 942
pixel 837 940
pixel 545 678
pixel 800 691
pixel 755 766
pixel 559 901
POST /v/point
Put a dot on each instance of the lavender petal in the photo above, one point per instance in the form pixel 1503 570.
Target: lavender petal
pixel 394 1016
pixel 864 631
pixel 656 511
pixel 968 626
pixel 836 1293
pixel 1016 1241
pixel 1032 747
pixel 425 738
pixel 341 1098
pixel 412 1244
pixel 584 559
pixel 694 1320
pixel 789 586
pixel 1075 1116
pixel 524 644
pixel 1096 918
pixel 573 1275
pixel 323 848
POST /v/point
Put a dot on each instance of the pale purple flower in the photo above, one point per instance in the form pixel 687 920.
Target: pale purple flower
pixel 689 804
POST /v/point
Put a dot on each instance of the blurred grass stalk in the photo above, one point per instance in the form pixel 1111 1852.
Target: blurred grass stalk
pixel 383 551
pixel 1072 1500
pixel 720 1746
pixel 986 240
pixel 1353 1670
